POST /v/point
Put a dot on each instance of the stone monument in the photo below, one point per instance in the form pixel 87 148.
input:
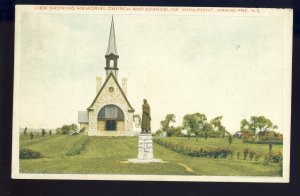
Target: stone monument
pixel 145 148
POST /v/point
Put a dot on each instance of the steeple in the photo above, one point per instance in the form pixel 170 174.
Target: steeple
pixel 111 53
pixel 112 46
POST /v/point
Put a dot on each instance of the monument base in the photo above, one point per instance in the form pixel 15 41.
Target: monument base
pixel 145 150
pixel 145 161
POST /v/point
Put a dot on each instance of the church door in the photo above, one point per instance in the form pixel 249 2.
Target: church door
pixel 112 117
pixel 111 125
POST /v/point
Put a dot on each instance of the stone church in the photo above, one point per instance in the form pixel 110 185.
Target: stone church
pixel 110 113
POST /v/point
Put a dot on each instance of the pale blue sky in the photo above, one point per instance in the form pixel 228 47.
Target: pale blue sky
pixel 217 65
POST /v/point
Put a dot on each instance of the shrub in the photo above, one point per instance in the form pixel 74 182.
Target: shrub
pixel 82 130
pixel 251 155
pixel 274 157
pixel 29 154
pixel 31 135
pixel 238 154
pixel 257 156
pixel 246 152
pixel 67 129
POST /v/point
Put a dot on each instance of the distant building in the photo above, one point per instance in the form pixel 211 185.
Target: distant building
pixel 110 113
pixel 238 134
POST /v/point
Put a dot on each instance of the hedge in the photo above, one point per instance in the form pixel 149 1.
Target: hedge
pixel 194 151
pixel 29 154
pixel 275 142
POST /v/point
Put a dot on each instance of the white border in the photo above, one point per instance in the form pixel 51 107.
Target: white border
pixel 287 16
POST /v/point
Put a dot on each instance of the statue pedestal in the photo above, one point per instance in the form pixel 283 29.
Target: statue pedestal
pixel 145 147
pixel 145 150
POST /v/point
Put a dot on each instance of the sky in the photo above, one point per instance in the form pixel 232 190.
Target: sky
pixel 216 65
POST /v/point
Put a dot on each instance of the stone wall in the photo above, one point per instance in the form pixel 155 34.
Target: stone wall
pixel 101 125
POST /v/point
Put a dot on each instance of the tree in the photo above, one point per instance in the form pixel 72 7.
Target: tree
pixel 25 131
pixel 190 124
pixel 230 139
pixel 257 124
pixel 165 124
pixel 194 123
pixel 270 147
pixel 206 135
pixel 207 128
pixel 217 125
pixel 174 131
pixel 43 132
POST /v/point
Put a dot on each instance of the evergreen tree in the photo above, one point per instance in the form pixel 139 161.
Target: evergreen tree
pixel 25 131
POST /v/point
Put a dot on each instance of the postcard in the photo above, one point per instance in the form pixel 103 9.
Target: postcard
pixel 152 93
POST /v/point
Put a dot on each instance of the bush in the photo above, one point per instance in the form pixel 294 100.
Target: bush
pixel 257 156
pixel 29 154
pixel 274 157
pixel 251 155
pixel 82 130
pixel 246 152
pixel 67 129
pixel 238 154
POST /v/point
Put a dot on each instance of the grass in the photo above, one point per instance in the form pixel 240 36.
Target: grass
pixel 104 155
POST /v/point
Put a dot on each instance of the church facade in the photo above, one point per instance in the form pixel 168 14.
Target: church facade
pixel 110 113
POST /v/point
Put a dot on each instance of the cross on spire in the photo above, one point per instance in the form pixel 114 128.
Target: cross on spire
pixel 112 46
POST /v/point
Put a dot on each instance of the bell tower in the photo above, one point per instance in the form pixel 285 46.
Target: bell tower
pixel 111 53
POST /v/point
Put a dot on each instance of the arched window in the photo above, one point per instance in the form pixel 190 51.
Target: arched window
pixel 111 63
pixel 111 112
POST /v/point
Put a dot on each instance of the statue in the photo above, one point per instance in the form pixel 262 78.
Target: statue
pixel 146 118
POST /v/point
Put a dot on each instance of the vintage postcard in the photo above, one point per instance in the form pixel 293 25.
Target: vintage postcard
pixel 152 93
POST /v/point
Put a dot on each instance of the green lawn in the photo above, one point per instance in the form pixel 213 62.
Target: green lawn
pixel 103 155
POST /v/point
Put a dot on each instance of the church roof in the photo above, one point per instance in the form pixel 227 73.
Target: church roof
pixel 112 45
pixel 114 78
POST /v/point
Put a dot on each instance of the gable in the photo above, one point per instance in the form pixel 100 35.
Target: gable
pixel 111 81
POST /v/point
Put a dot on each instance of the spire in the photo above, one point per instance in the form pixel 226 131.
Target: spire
pixel 112 46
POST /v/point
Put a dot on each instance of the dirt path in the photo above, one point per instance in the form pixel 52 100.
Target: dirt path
pixel 187 168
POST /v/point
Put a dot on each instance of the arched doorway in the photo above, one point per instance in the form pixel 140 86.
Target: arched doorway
pixel 110 118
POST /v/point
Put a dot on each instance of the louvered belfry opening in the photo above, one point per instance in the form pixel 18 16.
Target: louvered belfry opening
pixel 111 115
